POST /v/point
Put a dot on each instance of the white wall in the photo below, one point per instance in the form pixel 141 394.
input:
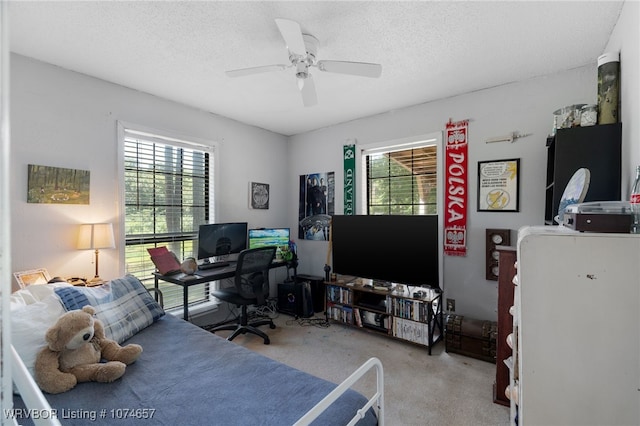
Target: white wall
pixel 65 119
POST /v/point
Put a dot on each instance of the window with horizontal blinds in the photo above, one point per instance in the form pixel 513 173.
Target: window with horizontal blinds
pixel 402 181
pixel 167 184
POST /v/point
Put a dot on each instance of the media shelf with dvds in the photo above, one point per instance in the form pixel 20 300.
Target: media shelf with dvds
pixel 411 314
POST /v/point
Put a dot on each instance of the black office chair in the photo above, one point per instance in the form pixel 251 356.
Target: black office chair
pixel 251 288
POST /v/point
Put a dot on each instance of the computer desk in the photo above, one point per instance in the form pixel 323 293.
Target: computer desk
pixel 202 276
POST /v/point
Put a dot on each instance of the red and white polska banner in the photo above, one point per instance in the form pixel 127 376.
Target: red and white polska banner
pixel 456 179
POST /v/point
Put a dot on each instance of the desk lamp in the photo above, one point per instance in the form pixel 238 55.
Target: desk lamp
pixel 96 236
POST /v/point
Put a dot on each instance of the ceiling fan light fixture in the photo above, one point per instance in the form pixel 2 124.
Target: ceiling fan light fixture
pixel 303 50
pixel 302 70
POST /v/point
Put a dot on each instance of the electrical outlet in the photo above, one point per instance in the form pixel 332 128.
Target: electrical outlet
pixel 451 305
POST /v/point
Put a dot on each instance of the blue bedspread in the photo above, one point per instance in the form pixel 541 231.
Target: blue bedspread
pixel 188 376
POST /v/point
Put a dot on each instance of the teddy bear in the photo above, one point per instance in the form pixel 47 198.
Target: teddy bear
pixel 76 343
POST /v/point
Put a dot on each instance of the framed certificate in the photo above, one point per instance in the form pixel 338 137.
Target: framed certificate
pixel 498 185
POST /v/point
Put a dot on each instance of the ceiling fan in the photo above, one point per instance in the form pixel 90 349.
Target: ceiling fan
pixel 303 49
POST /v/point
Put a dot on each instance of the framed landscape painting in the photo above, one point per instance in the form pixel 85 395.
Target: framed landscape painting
pixel 57 185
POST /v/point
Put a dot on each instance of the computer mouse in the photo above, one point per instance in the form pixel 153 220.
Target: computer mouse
pixel 57 280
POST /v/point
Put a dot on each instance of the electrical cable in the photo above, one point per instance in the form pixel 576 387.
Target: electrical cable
pixel 306 322
pixel 268 310
pixel 232 314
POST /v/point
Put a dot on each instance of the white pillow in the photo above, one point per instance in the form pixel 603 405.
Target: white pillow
pixel 29 324
pixel 33 293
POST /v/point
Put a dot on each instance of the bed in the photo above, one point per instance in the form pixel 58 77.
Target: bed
pixel 185 374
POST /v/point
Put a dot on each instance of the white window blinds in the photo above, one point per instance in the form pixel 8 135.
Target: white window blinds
pixel 167 184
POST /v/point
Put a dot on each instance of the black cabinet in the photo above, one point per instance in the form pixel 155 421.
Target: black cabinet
pixel 598 148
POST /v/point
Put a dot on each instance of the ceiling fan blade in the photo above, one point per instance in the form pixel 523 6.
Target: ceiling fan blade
pixel 256 70
pixel 308 91
pixel 363 69
pixel 292 35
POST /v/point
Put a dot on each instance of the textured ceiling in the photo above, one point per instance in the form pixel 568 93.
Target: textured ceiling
pixel 429 50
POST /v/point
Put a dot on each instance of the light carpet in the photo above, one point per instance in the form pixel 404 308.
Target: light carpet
pixel 441 389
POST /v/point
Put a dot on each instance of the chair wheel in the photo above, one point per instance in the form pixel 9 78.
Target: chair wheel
pixel 267 341
pixel 272 326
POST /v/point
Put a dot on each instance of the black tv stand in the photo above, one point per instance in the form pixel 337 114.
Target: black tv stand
pixel 397 313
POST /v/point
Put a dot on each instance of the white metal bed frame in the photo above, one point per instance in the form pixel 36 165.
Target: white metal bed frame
pixel 378 397
pixel 31 394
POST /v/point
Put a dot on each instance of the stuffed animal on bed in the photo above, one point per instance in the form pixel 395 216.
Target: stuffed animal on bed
pixel 75 345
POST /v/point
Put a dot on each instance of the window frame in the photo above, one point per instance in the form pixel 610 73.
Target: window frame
pixel 172 138
pixel 413 142
pixel 397 174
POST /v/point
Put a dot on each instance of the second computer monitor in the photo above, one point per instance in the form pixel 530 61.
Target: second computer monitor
pixel 263 237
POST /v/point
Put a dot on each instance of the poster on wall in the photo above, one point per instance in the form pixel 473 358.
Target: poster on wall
pixel 456 182
pixel 57 185
pixel 316 206
pixel 259 195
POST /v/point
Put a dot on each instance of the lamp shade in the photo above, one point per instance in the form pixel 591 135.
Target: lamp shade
pixel 96 236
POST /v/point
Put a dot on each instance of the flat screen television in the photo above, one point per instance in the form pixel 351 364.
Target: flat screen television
pixel 395 248
pixel 264 237
pixel 221 239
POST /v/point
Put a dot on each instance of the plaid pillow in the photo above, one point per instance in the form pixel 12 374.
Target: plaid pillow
pixel 123 305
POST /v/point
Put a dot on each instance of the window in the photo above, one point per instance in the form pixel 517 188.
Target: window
pixel 401 178
pixel 166 197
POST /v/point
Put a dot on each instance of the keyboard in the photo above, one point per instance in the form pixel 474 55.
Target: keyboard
pixel 212 265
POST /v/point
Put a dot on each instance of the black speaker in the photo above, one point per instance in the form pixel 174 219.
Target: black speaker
pixel 317 290
pixel 295 299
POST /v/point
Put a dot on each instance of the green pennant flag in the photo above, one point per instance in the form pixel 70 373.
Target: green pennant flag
pixel 349 179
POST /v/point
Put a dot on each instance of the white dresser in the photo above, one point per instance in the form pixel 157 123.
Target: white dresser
pixel 576 357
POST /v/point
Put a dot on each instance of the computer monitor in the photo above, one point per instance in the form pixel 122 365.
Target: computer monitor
pixel 264 237
pixel 221 239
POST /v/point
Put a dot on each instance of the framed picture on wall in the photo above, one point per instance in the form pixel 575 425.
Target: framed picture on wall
pixel 259 195
pixel 32 277
pixel 498 185
pixel 57 185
